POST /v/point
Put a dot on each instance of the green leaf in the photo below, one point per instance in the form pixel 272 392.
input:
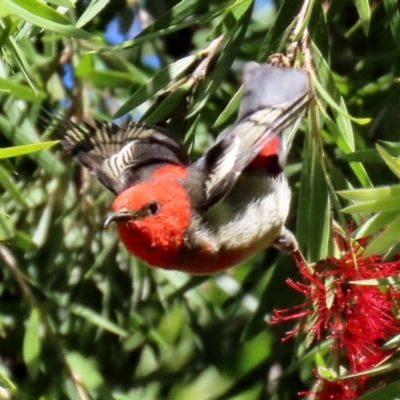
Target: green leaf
pixel 91 11
pixel 231 108
pixel 108 78
pixel 252 353
pixel 370 156
pixel 20 60
pixel 25 149
pixel 43 227
pixel 98 320
pixel 364 12
pixel 168 104
pixel 25 134
pixel 267 298
pixel 343 135
pixel 390 204
pixel 280 30
pixel 85 371
pixel 330 291
pixel 20 91
pixel 344 125
pixel 6 383
pixel 313 218
pixel 40 14
pixel 190 135
pixel 339 108
pixel 8 27
pixel 371 194
pixel 387 391
pixel 389 237
pixel 32 344
pixel 390 280
pixel 155 84
pixel 300 31
pixel 11 188
pixel 391 162
pixel 63 3
pixel 229 52
pixel 357 168
pixel 239 8
pixel 392 13
pixel 376 223
pixel 171 21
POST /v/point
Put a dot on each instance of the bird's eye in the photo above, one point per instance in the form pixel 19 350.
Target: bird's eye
pixel 154 207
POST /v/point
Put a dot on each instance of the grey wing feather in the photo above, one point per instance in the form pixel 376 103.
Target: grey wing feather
pixel 273 99
pixel 266 87
pixel 119 157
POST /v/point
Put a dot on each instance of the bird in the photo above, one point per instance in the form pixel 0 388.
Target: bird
pixel 207 215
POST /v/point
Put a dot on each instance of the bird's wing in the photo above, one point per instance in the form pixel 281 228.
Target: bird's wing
pixel 119 157
pixel 273 99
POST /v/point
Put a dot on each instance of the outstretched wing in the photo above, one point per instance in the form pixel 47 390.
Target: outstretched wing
pixel 119 157
pixel 273 99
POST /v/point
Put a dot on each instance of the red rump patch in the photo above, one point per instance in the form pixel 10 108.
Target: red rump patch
pixel 269 156
pixel 171 171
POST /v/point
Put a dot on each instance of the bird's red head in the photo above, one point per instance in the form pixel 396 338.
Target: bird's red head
pixel 152 219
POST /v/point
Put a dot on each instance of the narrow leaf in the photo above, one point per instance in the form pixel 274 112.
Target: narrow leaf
pixel 232 47
pixel 40 14
pixel 371 194
pixel 231 108
pixel 313 218
pixel 63 3
pixel 389 237
pixel 84 370
pixel 98 320
pixel 364 12
pixel 20 91
pixel 390 204
pixel 392 162
pixel 325 95
pixel 32 344
pixel 155 84
pixel 25 149
pixel 91 11
pixel 345 138
pixel 5 382
pixel 392 12
pixel 387 391
pixel 370 156
pixel 11 188
pixel 282 26
pixel 25 134
pixel 168 105
pixel 167 26
pixel 390 280
pixel 376 223
pixel 20 60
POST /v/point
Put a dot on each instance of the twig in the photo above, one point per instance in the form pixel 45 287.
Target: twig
pixel 200 72
pixel 287 59
pixel 300 19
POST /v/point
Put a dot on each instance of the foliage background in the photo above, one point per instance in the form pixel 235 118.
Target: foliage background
pixel 79 318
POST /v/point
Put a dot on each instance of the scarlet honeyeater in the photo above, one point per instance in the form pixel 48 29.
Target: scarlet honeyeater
pixel 208 215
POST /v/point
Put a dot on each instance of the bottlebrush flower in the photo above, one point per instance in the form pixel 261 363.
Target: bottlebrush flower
pixel 359 318
pixel 334 390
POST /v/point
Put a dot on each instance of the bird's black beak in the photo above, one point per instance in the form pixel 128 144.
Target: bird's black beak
pixel 121 215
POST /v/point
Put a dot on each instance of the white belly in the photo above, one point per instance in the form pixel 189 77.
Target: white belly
pixel 252 215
